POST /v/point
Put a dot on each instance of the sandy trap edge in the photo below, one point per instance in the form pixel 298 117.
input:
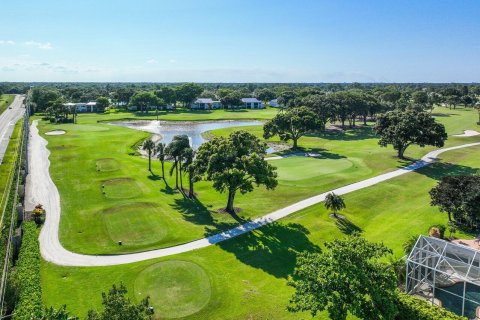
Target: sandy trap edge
pixel 468 133
pixel 55 133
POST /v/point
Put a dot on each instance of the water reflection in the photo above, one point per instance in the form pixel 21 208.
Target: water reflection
pixel 193 129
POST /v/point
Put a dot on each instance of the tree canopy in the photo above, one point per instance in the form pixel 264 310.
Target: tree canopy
pixel 117 306
pixel 459 197
pixel 143 100
pixel 293 124
pixel 348 276
pixel 235 164
pixel 404 128
pixel 188 92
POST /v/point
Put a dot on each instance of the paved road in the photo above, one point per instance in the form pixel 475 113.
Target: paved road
pixel 41 189
pixel 7 122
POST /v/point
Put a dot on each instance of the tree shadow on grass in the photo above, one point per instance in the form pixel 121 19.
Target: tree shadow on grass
pixel 272 248
pixel 440 170
pixel 347 227
pixel 322 153
pixel 154 177
pixel 350 134
pixel 438 114
pixel 194 211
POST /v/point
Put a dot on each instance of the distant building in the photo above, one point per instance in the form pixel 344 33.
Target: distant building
pixel 252 103
pixel 205 104
pixel 274 103
pixel 83 106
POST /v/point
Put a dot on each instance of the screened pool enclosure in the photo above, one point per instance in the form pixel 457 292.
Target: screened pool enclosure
pixel 446 274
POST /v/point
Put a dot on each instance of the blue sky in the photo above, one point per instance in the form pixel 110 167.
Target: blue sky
pixel 240 40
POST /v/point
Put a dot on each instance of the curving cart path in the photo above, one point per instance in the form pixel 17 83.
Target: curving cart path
pixel 41 189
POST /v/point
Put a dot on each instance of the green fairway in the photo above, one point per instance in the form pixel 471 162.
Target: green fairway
pixel 136 224
pixel 5 101
pixel 248 274
pixel 91 161
pixel 176 288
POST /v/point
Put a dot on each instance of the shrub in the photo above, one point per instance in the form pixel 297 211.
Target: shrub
pixel 437 231
pixel 410 308
pixel 26 276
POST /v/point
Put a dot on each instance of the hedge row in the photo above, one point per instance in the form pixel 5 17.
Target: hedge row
pixel 410 308
pixel 26 277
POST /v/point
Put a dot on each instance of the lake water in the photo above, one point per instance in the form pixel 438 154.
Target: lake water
pixel 193 129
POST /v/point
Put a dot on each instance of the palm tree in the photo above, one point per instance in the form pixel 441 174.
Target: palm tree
pixel 175 150
pixel 149 146
pixel 161 157
pixel 188 157
pixel 335 203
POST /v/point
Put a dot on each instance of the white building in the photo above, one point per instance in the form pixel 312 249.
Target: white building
pixel 252 103
pixel 274 103
pixel 83 106
pixel 206 104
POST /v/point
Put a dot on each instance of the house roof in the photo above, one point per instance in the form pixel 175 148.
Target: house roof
pixel 247 100
pixel 204 100
pixel 91 103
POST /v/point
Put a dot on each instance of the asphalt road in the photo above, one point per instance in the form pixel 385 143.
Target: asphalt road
pixel 8 119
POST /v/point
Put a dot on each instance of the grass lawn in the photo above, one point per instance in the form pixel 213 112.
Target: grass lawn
pixel 8 162
pixel 109 196
pixel 182 114
pixel 245 278
pixel 5 101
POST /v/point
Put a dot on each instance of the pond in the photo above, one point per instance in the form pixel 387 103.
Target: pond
pixel 193 129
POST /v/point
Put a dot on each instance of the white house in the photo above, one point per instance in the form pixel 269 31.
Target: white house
pixel 205 104
pixel 252 103
pixel 83 106
pixel 274 103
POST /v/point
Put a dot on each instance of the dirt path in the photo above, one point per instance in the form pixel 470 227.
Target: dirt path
pixel 41 189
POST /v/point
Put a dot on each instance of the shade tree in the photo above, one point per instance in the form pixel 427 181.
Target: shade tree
pixel 293 124
pixel 188 92
pixel 235 164
pixel 349 276
pixel 143 100
pixel 404 128
pixel 459 197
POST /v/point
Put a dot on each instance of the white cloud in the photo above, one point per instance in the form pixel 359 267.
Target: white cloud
pixel 7 42
pixel 39 45
pixel 152 61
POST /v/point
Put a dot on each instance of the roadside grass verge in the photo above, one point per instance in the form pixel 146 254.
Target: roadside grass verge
pixel 7 167
pixel 5 101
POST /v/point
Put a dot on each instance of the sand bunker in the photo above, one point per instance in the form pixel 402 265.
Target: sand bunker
pixel 55 133
pixel 468 133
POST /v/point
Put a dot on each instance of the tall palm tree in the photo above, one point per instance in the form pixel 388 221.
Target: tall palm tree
pixel 149 146
pixel 188 157
pixel 335 203
pixel 161 157
pixel 175 150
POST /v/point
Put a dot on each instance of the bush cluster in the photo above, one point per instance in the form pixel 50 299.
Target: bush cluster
pixel 26 277
pixel 410 308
